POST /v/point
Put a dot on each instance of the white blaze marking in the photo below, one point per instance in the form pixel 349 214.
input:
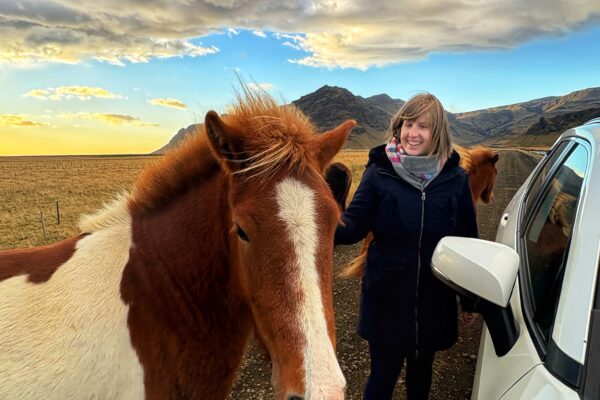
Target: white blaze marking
pixel 324 378
pixel 68 337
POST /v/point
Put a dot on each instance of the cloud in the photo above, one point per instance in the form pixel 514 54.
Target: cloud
pixel 328 33
pixel 65 31
pixel 292 41
pixel 259 34
pixel 260 86
pixel 173 103
pixel 71 92
pixel 362 34
pixel 109 118
pixel 292 45
pixel 12 120
pixel 37 93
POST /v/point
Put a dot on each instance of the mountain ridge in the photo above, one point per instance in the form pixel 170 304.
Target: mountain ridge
pixel 534 122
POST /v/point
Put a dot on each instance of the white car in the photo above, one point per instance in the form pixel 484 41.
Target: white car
pixel 537 285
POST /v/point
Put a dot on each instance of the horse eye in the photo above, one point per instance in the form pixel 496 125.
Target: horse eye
pixel 242 235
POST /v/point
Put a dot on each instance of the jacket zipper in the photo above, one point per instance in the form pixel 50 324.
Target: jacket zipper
pixel 418 275
pixel 423 197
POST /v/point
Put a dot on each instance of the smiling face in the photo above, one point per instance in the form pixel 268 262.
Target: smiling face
pixel 421 126
pixel 415 135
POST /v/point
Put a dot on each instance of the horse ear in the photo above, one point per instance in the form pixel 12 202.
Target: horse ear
pixel 495 158
pixel 225 141
pixel 331 142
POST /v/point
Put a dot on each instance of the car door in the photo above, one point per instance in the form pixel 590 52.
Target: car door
pixel 545 239
pixel 538 224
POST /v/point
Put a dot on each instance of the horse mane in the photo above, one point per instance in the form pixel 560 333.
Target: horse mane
pixel 474 156
pixel 276 137
pixel 114 213
pixel 466 160
pixel 481 155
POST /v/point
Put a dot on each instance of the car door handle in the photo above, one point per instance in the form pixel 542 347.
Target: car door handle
pixel 504 220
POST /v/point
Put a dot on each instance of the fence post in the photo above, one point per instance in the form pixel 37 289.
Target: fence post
pixel 43 223
pixel 57 214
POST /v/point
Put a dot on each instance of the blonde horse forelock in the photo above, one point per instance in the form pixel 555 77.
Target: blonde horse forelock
pixel 277 135
pixel 275 138
pixel 269 161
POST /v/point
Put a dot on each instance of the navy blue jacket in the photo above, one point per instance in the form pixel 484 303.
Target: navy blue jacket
pixel 401 301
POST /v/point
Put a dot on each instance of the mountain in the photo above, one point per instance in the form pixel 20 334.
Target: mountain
pixel 179 137
pixel 386 103
pixel 329 106
pixel 526 123
pixel 547 129
pixel 536 122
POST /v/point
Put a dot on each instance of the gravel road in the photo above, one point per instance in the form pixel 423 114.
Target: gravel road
pixel 453 369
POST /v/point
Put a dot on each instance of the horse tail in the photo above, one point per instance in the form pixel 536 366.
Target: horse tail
pixel 356 268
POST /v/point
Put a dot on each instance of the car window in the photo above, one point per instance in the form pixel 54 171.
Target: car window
pixel 547 238
pixel 542 176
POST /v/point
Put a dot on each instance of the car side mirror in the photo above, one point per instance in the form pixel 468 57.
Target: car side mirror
pixel 485 272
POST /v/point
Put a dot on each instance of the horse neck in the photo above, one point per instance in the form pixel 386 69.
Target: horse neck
pixel 185 299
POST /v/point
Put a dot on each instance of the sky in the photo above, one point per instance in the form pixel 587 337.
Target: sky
pixel 123 76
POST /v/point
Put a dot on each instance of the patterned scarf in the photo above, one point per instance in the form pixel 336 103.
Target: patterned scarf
pixel 418 171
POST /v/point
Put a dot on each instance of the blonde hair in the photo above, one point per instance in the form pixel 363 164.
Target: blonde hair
pixel 441 139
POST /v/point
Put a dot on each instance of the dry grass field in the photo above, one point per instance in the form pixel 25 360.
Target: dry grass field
pixel 30 186
pixel 80 185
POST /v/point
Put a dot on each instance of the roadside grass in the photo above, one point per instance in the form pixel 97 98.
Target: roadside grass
pixel 30 186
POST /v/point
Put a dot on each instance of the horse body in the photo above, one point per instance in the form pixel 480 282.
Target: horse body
pixel 160 296
pixel 69 334
pixel 339 179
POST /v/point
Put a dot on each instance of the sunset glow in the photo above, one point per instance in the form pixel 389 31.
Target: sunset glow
pixel 123 77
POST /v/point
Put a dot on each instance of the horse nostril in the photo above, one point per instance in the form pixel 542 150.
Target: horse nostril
pixel 295 398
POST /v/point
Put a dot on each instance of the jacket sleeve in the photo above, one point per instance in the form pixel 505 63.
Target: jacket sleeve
pixel 467 227
pixel 357 220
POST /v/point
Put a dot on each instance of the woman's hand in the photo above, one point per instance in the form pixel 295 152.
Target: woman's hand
pixel 469 318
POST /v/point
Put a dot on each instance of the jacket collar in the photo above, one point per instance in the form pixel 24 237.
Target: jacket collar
pixel 378 157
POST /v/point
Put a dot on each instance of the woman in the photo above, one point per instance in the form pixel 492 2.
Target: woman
pixel 412 194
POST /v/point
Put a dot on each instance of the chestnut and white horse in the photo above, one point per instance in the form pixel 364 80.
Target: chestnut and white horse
pixel 229 233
